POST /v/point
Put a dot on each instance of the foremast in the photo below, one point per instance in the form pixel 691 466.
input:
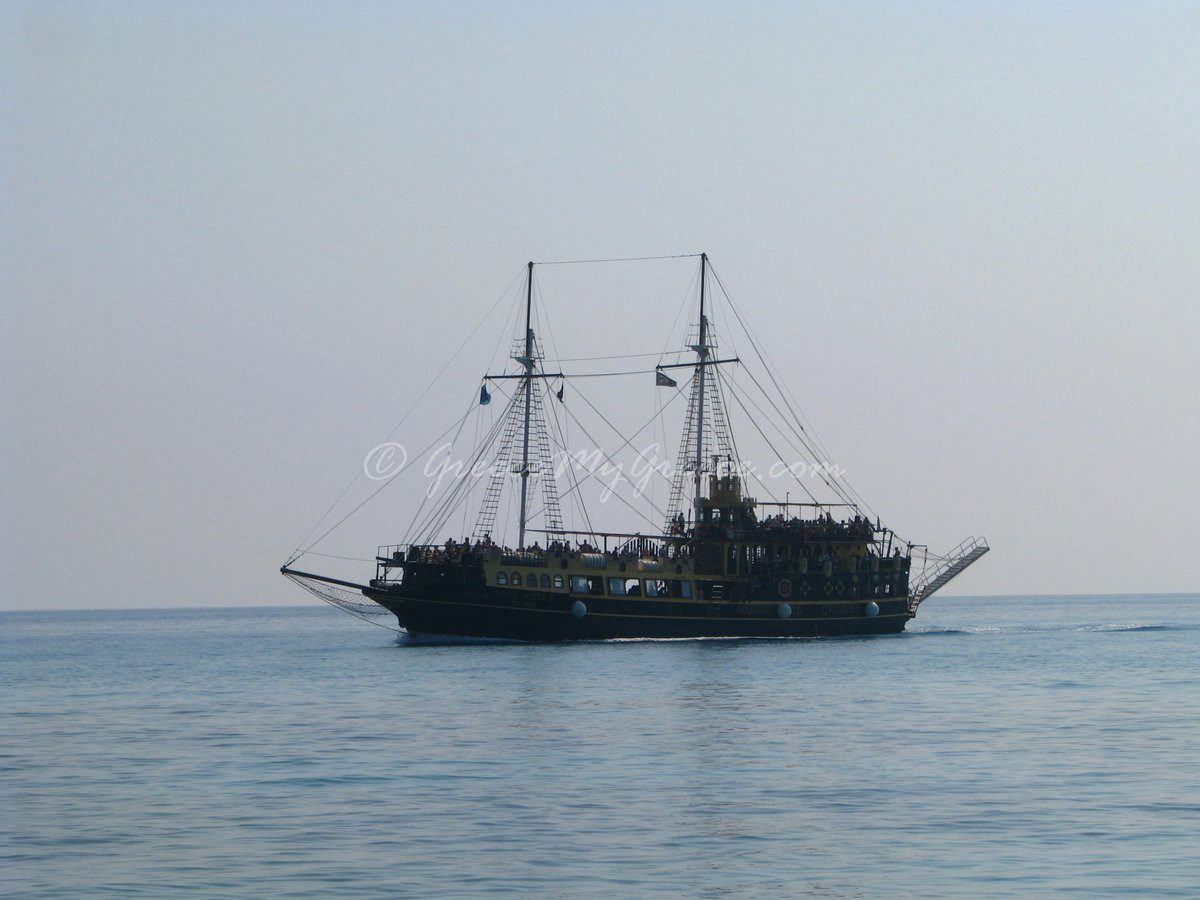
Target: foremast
pixel 526 445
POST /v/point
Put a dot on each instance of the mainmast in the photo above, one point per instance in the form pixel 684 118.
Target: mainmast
pixel 527 361
pixel 701 353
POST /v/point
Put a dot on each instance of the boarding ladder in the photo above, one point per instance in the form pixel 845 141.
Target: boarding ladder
pixel 938 572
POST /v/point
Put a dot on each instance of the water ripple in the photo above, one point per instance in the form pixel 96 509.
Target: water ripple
pixel 239 752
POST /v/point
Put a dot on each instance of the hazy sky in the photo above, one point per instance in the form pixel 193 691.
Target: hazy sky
pixel 239 239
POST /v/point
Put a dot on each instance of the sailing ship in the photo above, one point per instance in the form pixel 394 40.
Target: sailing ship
pixel 722 564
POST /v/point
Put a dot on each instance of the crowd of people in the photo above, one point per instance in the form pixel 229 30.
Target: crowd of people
pixel 824 528
pixel 466 550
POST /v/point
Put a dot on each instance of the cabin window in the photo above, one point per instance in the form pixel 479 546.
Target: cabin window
pixel 587 584
pixel 558 581
pixel 501 578
pixel 545 580
pixel 676 589
pixel 655 588
pixel 625 587
pixel 515 578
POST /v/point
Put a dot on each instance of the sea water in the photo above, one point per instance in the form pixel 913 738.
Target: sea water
pixel 1002 746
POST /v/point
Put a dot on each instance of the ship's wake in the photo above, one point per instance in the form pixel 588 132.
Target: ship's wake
pixel 930 630
pixel 422 639
pixel 408 639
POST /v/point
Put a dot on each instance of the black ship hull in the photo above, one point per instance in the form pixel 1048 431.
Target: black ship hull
pixel 542 616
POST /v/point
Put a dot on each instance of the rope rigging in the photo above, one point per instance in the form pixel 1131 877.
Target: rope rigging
pixel 815 459
pixel 783 392
pixel 562 439
pixel 626 441
pixel 767 398
pixel 575 262
pixel 609 460
pixel 753 421
pixel 375 493
pixel 558 359
pixel 426 529
pixel 297 552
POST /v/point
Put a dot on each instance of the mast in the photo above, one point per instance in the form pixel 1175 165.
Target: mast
pixel 701 352
pixel 527 360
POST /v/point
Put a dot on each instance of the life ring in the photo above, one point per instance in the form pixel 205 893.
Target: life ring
pixel 785 588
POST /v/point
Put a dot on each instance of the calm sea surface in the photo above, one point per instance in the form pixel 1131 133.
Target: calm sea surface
pixel 1012 746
